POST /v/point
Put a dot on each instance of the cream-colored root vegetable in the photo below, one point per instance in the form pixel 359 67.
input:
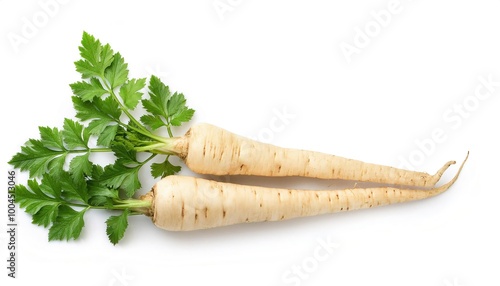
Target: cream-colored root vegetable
pixel 181 203
pixel 207 149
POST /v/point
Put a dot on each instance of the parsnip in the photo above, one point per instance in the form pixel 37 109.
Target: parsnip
pixel 181 203
pixel 207 149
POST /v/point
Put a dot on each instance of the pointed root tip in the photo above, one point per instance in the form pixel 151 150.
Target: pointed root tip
pixel 443 169
pixel 446 186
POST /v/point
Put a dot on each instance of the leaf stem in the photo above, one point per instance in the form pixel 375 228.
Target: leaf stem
pixel 100 150
pixel 169 130
pixel 160 148
pixel 134 204
pixel 142 130
pixel 148 159
pixel 122 107
pixel 125 110
pixel 147 133
pixel 85 150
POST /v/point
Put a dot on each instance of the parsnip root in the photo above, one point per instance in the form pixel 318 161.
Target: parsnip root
pixel 207 149
pixel 186 203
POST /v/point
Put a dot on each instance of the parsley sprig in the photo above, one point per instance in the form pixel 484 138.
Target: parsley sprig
pixel 49 153
pixel 104 99
pixel 60 202
pixel 64 183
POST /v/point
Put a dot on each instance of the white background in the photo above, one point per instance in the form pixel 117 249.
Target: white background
pixel 410 75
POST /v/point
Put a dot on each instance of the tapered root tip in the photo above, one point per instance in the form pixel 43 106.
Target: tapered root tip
pixel 450 183
pixel 440 172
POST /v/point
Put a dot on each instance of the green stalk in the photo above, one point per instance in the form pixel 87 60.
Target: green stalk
pixel 142 130
pixel 169 130
pixel 87 150
pixel 136 205
pixel 125 110
pixel 164 148
pixel 148 134
pixel 122 107
pixel 100 150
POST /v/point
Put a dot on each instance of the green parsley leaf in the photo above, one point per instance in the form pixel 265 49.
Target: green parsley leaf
pixel 46 215
pixel 39 156
pixel 101 201
pixel 103 109
pixel 87 91
pixel 153 121
pixel 164 169
pixel 51 185
pixel 51 138
pixel 103 114
pixel 116 226
pixel 107 135
pixel 101 195
pixel 75 135
pixel 97 171
pixel 117 176
pixel 159 95
pixel 81 165
pixel 175 103
pixel 131 138
pixel 68 224
pixel 74 188
pixel 124 155
pixel 117 72
pixel 178 111
pixel 32 199
pixel 130 94
pixel 165 109
pixel 36 158
pixel 95 57
pixel 56 166
pixel 184 115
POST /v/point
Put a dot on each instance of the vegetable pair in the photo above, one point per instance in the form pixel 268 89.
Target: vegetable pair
pixel 105 100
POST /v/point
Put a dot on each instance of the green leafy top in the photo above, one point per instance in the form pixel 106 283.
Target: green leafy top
pixel 52 203
pixel 101 99
pixel 49 152
pixel 104 100
pixel 165 109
